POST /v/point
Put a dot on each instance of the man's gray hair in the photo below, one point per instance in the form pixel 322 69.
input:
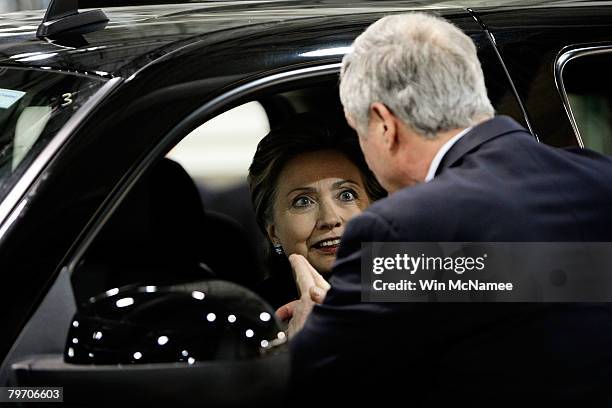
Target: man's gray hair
pixel 421 67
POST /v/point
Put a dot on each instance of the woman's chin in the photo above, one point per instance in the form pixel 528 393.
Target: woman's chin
pixel 323 266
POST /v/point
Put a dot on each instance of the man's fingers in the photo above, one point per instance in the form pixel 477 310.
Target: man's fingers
pixel 285 312
pixel 303 273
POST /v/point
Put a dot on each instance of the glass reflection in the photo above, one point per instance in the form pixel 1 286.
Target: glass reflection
pixel 112 292
pixel 196 294
pixel 325 52
pixel 125 302
pixel 38 57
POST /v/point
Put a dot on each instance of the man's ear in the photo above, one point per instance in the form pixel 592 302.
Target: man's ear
pixel 385 121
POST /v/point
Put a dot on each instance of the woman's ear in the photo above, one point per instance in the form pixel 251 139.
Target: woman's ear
pixel 271 230
pixel 278 247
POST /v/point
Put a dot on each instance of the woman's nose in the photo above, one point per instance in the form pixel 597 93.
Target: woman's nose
pixel 329 217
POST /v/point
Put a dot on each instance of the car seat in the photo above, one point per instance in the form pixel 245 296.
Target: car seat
pixel 161 234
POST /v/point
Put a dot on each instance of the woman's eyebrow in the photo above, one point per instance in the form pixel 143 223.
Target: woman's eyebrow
pixel 302 189
pixel 339 184
pixel 336 185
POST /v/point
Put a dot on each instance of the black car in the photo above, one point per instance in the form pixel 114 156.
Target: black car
pixel 96 217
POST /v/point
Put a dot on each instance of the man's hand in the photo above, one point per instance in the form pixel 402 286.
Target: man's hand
pixel 312 287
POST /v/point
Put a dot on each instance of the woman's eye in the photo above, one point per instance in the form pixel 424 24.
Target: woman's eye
pixel 302 202
pixel 348 195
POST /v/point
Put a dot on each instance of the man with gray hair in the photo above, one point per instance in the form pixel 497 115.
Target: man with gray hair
pixel 414 91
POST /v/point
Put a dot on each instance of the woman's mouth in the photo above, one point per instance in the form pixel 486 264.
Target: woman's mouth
pixel 328 246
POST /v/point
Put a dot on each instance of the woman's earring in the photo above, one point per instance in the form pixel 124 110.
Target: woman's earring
pixel 278 248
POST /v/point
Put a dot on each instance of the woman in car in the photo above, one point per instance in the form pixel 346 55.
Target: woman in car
pixel 307 179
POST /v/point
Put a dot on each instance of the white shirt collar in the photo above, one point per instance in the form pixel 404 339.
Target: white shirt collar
pixel 433 167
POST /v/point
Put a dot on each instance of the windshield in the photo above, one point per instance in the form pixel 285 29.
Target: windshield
pixel 34 105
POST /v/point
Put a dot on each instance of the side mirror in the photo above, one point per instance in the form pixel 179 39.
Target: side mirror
pixel 208 342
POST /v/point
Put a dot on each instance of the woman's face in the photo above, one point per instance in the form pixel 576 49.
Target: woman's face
pixel 316 194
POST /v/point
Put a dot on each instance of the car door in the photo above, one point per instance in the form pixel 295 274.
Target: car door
pixel 536 44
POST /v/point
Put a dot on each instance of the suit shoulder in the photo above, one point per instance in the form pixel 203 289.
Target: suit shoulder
pixel 414 203
pixel 431 211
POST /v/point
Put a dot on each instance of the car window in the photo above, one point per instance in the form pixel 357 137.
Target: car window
pixel 217 153
pixel 589 91
pixel 34 105
pixel 186 214
pixel 185 217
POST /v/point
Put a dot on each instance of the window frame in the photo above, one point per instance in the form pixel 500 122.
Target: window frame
pixel 566 55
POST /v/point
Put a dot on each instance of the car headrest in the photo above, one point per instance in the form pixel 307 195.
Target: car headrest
pixel 230 254
pixel 160 234
pixel 155 229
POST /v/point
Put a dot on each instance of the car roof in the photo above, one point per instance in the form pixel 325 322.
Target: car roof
pixel 138 35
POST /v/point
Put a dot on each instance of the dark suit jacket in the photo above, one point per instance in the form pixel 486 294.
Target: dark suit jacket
pixel 496 184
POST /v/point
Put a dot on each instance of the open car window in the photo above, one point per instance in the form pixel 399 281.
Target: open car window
pixel 185 217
